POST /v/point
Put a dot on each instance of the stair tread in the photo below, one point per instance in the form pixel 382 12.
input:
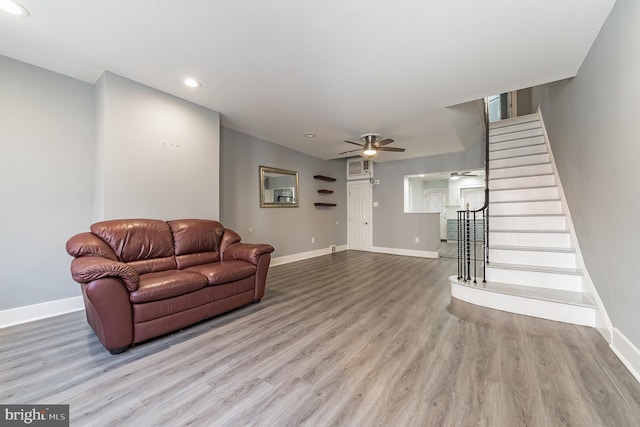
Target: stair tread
pixel 495 150
pixel 535 187
pixel 525 201
pixel 506 230
pixel 540 269
pixel 525 215
pixel 520 176
pixel 518 166
pixel 546 294
pixel 533 249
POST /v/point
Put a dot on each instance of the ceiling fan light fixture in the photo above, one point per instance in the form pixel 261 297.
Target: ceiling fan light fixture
pixel 369 150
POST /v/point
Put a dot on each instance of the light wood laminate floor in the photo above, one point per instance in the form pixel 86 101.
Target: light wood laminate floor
pixel 349 339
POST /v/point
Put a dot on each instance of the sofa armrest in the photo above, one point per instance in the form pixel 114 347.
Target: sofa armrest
pixel 246 252
pixel 87 269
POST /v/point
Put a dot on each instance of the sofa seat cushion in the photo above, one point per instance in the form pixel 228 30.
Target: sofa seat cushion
pixel 218 273
pixel 166 284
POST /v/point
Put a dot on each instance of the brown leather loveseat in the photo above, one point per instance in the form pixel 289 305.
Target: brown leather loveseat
pixel 142 278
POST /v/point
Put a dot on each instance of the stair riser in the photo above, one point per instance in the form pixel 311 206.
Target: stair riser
pixel 536 240
pixel 533 258
pixel 528 223
pixel 496 146
pixel 542 193
pixel 517 152
pixel 540 279
pixel 515 135
pixel 578 315
pixel 514 121
pixel 528 181
pixel 515 128
pixel 526 208
pixel 519 171
pixel 519 161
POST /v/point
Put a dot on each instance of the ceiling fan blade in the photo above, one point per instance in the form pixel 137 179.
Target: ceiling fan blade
pixel 398 150
pixel 350 151
pixel 355 143
pixel 383 142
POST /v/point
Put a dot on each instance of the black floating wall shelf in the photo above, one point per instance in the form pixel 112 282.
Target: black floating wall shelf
pixel 324 178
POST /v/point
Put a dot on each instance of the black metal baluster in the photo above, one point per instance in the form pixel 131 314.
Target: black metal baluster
pixel 468 278
pixel 475 271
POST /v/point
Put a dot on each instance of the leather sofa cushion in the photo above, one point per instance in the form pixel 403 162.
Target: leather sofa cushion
pixel 196 235
pixel 189 260
pixel 152 265
pixel 166 284
pixel 136 239
pixel 218 273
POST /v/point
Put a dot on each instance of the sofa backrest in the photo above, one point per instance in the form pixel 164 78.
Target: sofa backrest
pixel 144 244
pixel 197 241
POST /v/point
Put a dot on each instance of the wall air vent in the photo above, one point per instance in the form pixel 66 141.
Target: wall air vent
pixel 359 169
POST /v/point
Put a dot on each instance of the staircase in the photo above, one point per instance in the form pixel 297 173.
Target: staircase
pixel 533 266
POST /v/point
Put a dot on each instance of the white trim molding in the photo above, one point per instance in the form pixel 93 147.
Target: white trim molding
pixel 628 353
pixel 286 259
pixel 29 313
pixel 406 252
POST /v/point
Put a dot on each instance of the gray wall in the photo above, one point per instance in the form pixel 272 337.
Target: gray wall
pixel 74 153
pixel 594 130
pixel 289 230
pixel 392 228
pixel 157 156
pixel 46 134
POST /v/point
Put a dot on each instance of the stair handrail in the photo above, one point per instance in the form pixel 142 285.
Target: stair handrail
pixel 464 220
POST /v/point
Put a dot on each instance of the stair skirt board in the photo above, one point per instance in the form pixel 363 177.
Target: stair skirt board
pixel 544 309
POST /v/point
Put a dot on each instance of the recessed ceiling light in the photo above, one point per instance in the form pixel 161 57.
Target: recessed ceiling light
pixel 13 8
pixel 191 82
pixel 310 135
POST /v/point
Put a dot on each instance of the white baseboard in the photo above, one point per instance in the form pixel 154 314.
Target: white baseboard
pixel 286 259
pixel 29 313
pixel 406 252
pixel 628 353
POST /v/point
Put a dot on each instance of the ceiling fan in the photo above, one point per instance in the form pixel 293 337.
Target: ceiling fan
pixel 372 144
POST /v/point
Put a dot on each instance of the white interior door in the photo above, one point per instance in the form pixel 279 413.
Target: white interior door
pixel 435 201
pixel 359 214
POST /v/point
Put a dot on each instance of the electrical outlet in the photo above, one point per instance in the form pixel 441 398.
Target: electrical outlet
pixel 313 240
pixel 417 240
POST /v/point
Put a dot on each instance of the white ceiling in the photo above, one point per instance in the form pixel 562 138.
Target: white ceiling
pixel 279 69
